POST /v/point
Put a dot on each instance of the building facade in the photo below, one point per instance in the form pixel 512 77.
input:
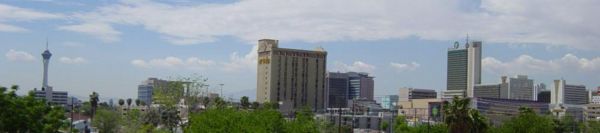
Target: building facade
pixel 389 102
pixel 544 96
pixel 342 87
pixel 521 87
pixel 499 110
pixel 592 111
pixel 463 70
pixel 414 93
pixel 564 93
pixel 291 77
pixel 537 89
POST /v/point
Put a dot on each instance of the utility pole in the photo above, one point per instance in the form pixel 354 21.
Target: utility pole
pixel 72 109
pixel 221 90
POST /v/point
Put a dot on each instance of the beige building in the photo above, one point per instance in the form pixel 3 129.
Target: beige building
pixel 290 77
pixel 416 108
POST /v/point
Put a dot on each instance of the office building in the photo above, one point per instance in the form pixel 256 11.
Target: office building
pixel 291 77
pixel 493 90
pixel 521 87
pixel 147 87
pixel 564 93
pixel 498 110
pixel 544 96
pixel 389 102
pixel 463 70
pixel 414 93
pixel 537 89
pixel 349 85
pixel 568 100
pixel 47 92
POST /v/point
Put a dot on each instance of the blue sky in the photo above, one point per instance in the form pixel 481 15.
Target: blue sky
pixel 111 46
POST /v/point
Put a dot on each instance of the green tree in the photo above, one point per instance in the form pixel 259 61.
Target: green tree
pixel 128 103
pixel 107 121
pixel 303 123
pixel 137 102
pixel 460 118
pixel 255 105
pixel 245 102
pixel 121 102
pixel 400 125
pixel 227 120
pixel 170 117
pixel 527 121
pixel 27 113
pixel 134 121
pixel 94 99
pixel 384 126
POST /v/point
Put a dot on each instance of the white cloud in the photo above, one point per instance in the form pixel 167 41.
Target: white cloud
pixel 525 64
pixel 14 55
pixel 511 21
pixel 405 67
pixel 16 14
pixel 192 63
pixel 357 66
pixel 74 60
pixel 239 63
pixel 101 30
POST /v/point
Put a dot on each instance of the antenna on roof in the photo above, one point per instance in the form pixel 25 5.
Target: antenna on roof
pixel 46 43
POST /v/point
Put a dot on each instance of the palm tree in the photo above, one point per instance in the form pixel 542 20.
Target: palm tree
pixel 137 102
pixel 128 103
pixel 245 102
pixel 460 118
pixel 94 102
pixel 121 102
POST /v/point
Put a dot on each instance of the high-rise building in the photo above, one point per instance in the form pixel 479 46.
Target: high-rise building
pixel 537 89
pixel 146 89
pixel 337 90
pixel 414 93
pixel 341 87
pixel 47 92
pixel 464 69
pixel 563 93
pixel 521 88
pixel 291 77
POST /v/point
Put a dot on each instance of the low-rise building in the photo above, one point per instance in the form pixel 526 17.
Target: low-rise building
pixel 421 109
pixel 592 112
pixel 414 93
pixel 389 102
pixel 498 110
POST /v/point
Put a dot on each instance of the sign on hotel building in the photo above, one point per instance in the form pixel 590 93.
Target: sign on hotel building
pixel 291 78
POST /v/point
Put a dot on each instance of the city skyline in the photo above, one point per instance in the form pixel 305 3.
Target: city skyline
pixel 95 50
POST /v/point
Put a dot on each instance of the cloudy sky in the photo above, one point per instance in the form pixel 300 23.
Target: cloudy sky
pixel 111 46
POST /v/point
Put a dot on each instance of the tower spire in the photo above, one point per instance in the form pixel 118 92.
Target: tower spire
pixel 467 38
pixel 46 43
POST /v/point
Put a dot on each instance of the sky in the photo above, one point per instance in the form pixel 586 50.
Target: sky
pixel 112 46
